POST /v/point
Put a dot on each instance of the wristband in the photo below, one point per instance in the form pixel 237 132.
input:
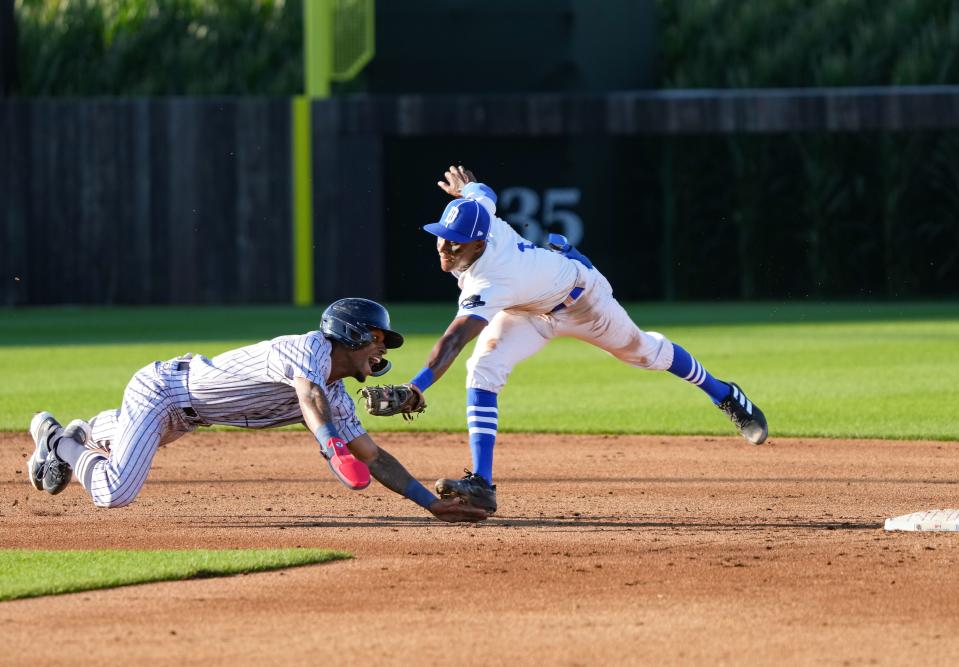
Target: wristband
pixel 475 190
pixel 424 379
pixel 326 432
pixel 418 494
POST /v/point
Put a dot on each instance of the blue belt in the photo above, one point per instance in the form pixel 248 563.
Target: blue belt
pixel 568 301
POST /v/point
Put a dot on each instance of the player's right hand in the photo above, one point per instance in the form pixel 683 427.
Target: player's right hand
pixel 456 510
pixel 456 179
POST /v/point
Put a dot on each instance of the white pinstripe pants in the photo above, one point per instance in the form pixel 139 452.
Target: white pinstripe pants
pixel 150 416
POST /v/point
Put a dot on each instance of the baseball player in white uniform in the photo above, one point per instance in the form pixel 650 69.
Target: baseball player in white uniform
pixel 516 297
pixel 286 380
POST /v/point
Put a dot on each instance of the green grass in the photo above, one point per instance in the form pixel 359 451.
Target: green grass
pixel 27 573
pixel 885 370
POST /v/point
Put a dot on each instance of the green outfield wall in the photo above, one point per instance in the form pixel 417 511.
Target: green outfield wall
pixel 693 194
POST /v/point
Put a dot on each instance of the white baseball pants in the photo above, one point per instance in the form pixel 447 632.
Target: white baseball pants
pixel 595 317
pixel 150 416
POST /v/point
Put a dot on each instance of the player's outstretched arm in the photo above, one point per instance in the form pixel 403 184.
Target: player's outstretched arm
pixel 407 399
pixel 313 404
pixel 460 182
pixel 456 179
pixel 318 417
pixel 458 334
pixel 390 473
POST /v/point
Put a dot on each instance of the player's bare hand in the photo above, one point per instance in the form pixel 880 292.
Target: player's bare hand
pixel 456 178
pixel 455 510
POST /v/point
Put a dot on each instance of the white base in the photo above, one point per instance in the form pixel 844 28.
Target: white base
pixel 929 520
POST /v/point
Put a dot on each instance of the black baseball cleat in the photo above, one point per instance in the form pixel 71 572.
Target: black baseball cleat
pixel 747 416
pixel 472 488
pixel 58 472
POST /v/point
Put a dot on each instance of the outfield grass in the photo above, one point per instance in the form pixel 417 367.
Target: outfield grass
pixel 28 573
pixel 843 370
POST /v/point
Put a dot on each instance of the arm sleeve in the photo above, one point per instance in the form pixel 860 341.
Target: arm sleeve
pixel 482 194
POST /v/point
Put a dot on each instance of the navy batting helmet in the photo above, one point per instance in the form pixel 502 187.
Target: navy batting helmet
pixel 349 321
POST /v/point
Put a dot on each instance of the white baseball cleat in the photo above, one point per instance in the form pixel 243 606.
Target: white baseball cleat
pixel 45 430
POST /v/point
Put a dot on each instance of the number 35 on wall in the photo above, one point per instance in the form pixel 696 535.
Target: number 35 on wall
pixel 536 217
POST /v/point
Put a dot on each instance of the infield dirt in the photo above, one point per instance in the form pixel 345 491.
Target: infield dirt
pixel 606 550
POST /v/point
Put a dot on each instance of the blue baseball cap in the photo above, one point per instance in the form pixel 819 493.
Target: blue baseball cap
pixel 463 220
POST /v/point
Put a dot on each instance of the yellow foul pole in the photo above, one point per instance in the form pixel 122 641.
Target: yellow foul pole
pixel 317 63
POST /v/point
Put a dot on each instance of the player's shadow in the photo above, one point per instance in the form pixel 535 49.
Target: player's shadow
pixel 560 523
pixel 641 482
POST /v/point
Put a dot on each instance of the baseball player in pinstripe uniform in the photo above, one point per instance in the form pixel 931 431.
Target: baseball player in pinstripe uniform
pixel 286 380
pixel 515 297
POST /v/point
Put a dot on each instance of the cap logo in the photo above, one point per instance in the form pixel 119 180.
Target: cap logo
pixel 462 221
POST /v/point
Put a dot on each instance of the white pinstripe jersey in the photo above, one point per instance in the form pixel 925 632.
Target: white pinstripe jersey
pixel 252 386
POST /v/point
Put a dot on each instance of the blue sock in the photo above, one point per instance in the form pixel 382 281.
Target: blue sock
pixel 686 367
pixel 482 417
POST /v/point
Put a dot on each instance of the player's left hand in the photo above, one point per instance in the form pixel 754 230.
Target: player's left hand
pixel 456 510
pixel 456 179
